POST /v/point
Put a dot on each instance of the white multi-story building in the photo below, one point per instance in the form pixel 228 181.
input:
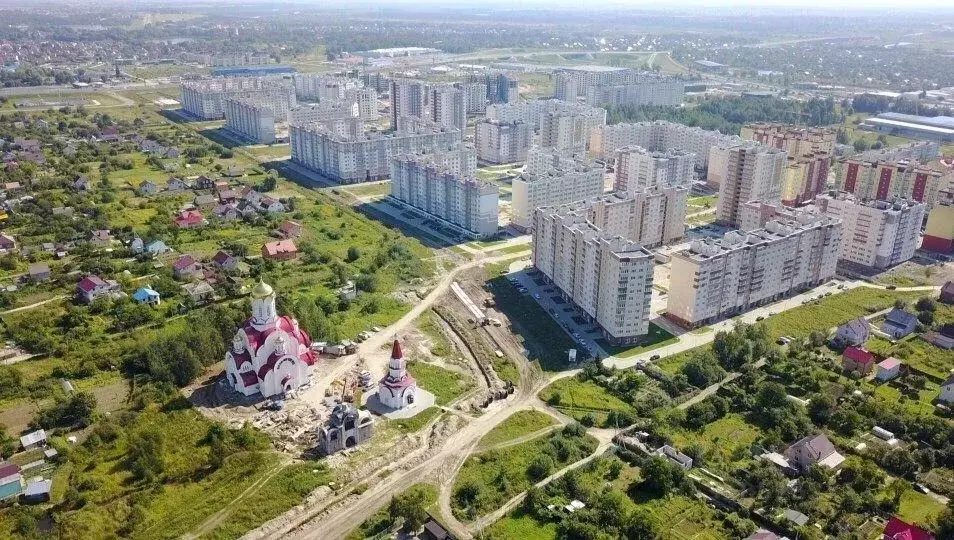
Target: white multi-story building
pixel 638 168
pixel 650 217
pixel 358 103
pixel 320 87
pixel 448 108
pixel 443 185
pixel 414 100
pixel 657 136
pixel 345 153
pixel 751 173
pixel 719 278
pixel 572 82
pixel 476 93
pixel 250 119
pixel 533 112
pixel 501 87
pixel 885 180
pixel 502 143
pixel 205 99
pixel 878 234
pixel 552 178
pixel 608 278
pixel 563 131
pixel 651 90
pixel 409 98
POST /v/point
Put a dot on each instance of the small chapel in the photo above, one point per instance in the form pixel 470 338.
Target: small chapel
pixel 398 388
pixel 270 354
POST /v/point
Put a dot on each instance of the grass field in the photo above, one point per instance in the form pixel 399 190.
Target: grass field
pixel 446 385
pixel 724 443
pixel 269 151
pixel 381 521
pixel 517 425
pixel 578 398
pixel 369 190
pixel 917 353
pixel 416 422
pixel 656 338
pixel 917 507
pixel 834 310
pixel 520 525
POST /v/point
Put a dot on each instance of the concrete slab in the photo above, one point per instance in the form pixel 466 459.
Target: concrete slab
pixel 422 400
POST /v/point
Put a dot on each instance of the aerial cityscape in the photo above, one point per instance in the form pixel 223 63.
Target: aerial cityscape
pixel 460 271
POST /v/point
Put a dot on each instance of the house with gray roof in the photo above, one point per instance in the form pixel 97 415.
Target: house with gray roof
pixel 813 449
pixel 899 323
pixel 853 333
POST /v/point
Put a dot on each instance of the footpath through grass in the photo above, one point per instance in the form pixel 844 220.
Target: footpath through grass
pixel 576 398
pixel 517 425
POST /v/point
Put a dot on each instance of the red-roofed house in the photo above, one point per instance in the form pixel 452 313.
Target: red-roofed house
pixel 185 267
pixel 92 287
pixel 895 529
pixel 190 219
pixel 225 261
pixel 858 359
pixel 290 229
pixel 280 250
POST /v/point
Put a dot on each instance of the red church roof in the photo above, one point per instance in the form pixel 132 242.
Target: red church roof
pixel 896 529
pixel 396 351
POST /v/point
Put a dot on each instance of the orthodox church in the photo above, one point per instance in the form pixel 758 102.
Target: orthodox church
pixel 269 354
pixel 397 389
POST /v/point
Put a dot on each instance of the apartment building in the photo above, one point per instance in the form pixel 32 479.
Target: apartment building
pixel 502 142
pixel 251 119
pixel 344 152
pixel 502 87
pixel 795 140
pixel 444 186
pixel 719 278
pixel 878 234
pixel 476 95
pixel 638 168
pixel 885 180
pixel 409 98
pixel 649 89
pixel 533 112
pixel 922 151
pixel 804 177
pixel 939 231
pixel 552 178
pixel 448 108
pixel 563 131
pixel 650 217
pixel 658 137
pixel 205 99
pixel 414 100
pixel 572 82
pixel 751 173
pixel 319 87
pixel 608 278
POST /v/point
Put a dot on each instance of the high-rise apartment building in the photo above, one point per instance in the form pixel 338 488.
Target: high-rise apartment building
pixel 805 176
pixel 563 131
pixel 650 217
pixel 638 168
pixel 205 99
pixel 319 87
pixel 658 137
pixel 552 178
pixel 413 100
pixel 360 103
pixel 444 186
pixel 409 98
pixel 719 278
pixel 608 278
pixel 885 180
pixel 795 140
pixel 476 95
pixel 572 82
pixel 250 119
pixel 533 112
pixel 648 90
pixel 878 234
pixel 752 173
pixel 448 108
pixel 344 152
pixel 502 142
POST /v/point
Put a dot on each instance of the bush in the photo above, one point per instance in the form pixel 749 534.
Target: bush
pixel 540 467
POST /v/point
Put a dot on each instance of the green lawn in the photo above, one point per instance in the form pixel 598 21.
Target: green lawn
pixel 917 353
pixel 578 398
pixel 656 338
pixel 673 364
pixel 517 425
pixel 917 507
pixel 416 422
pixel 369 190
pixel 446 385
pixel 834 310
pixel 519 525
pixel 724 443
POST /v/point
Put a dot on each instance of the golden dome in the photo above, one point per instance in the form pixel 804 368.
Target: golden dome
pixel 262 290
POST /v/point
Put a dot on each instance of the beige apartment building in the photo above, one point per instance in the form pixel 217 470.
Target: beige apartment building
pixel 657 136
pixel 751 173
pixel 720 278
pixel 650 217
pixel 869 179
pixel 502 142
pixel 638 168
pixel 608 278
pixel 878 234
pixel 552 178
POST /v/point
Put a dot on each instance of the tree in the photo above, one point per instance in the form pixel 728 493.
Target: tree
pixel 639 525
pixel 353 254
pixel 926 318
pixel 146 456
pixel 846 421
pixel 540 467
pixel 944 527
pixel 411 506
pixel 703 370
pixel 821 407
pixel 661 477
pixel 898 488
pixel 926 304
pixel 768 483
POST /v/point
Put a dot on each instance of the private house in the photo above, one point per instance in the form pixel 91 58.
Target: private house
pixel 176 184
pixel 272 206
pixel 100 237
pixel 12 187
pixel 146 295
pixel 82 184
pixel 199 291
pixel 92 287
pixel 888 369
pixel 290 229
pixel 280 250
pixel 674 456
pixel 36 492
pixel 252 196
pixel 34 439
pixel 943 338
pixel 762 534
pixel 226 212
pixel 853 333
pixel 858 359
pixel 136 245
pixel 947 390
pixel 11 482
pixel 895 529
pixel 205 201
pixel 947 293
pixel 39 272
pixel 813 449
pixel 157 247
pixel 186 267
pixel 225 261
pixel 7 243
pixel 227 196
pixel 27 145
pixel 147 188
pixel 222 185
pixel 899 323
pixel 234 171
pixel 346 427
pixel 190 219
pixel 204 182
